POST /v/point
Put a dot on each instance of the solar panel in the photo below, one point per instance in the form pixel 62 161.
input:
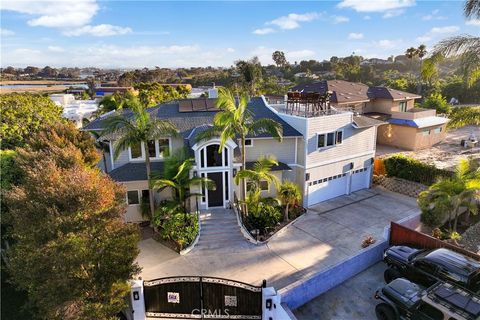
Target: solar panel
pixel 197 105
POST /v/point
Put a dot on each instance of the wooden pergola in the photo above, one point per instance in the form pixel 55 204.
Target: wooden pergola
pixel 308 104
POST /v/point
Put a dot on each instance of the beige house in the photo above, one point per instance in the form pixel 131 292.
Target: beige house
pixel 404 125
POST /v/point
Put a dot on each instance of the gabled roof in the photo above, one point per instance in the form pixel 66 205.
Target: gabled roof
pixel 344 92
pixel 187 121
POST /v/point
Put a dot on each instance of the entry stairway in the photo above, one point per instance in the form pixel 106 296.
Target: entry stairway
pixel 220 232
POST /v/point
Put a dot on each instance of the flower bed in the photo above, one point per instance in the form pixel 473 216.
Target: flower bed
pixel 177 231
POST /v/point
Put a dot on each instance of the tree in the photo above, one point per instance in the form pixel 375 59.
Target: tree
pixel 139 129
pixel 447 197
pixel 465 46
pixel 279 58
pixel 464 116
pixel 429 70
pixel 72 251
pixel 421 51
pixel 176 176
pixel 438 102
pixel 259 172
pixel 117 101
pixel 289 194
pixel 236 121
pixel 251 73
pixel 411 53
pixel 22 115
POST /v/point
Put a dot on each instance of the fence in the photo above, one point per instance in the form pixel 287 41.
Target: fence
pixel 401 235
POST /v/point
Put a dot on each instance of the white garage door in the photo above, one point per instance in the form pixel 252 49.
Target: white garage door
pixel 360 179
pixel 329 189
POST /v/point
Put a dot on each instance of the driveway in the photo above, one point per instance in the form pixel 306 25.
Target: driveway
pixel 324 236
pixel 352 300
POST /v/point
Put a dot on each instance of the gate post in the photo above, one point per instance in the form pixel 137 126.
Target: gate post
pixel 138 300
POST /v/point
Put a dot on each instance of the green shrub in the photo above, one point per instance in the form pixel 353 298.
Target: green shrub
pixel 263 216
pixel 410 169
pixel 438 102
pixel 181 228
pixel 433 209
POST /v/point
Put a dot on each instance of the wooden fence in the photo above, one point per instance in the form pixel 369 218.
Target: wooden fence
pixel 400 235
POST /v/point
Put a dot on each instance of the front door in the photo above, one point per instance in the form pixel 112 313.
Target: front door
pixel 215 197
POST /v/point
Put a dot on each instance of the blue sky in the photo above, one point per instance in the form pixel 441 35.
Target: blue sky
pixel 132 34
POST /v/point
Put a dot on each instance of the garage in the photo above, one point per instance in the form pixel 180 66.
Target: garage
pixel 360 179
pixel 327 188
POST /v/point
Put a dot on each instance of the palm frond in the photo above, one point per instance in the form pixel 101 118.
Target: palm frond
pixel 184 168
pixel 209 133
pixel 264 125
pixel 128 139
pixel 163 183
pixel 471 9
pixel 161 128
pixel 245 174
pixel 459 45
pixel 225 100
pixel 204 182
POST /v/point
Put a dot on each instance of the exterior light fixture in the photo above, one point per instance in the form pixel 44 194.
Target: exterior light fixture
pixel 234 172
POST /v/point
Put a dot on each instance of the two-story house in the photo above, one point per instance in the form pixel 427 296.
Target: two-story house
pixel 327 155
pixel 405 126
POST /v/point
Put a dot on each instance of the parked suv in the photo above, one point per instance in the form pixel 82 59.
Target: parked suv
pixel 402 299
pixel 426 267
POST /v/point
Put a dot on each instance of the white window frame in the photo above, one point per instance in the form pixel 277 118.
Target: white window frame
pixel 400 106
pixel 157 151
pixel 325 134
pixel 225 151
pixel 437 130
pixel 138 195
pixel 251 143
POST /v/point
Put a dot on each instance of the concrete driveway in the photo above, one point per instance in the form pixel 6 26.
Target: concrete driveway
pixel 324 236
pixel 352 300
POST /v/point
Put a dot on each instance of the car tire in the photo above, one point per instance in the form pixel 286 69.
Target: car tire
pixel 384 312
pixel 391 274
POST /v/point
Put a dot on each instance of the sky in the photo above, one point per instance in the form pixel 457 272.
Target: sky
pixel 137 34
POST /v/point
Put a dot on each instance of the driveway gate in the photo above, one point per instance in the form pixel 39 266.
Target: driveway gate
pixel 201 298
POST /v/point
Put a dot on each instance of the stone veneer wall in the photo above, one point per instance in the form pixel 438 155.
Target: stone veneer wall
pixel 408 188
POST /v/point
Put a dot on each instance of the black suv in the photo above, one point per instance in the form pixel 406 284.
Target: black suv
pixel 402 299
pixel 426 267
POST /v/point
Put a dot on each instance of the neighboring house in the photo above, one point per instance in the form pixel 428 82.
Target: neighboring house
pixel 405 126
pixel 75 110
pixel 327 156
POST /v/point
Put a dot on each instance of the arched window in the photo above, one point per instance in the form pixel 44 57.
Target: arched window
pixel 210 157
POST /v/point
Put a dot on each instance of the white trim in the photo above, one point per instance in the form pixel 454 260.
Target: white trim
pixel 325 141
pixel 157 151
pixel 138 195
pixel 296 150
pixel 295 165
pixel 111 151
pixel 251 143
pixel 358 155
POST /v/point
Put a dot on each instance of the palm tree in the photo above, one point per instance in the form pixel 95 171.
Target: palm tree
pixel 259 172
pixel 135 130
pixel 466 46
pixel 289 194
pixel 449 196
pixel 176 176
pixel 236 121
pixel 421 51
pixel 103 146
pixel 465 116
pixel 411 53
pixel 429 70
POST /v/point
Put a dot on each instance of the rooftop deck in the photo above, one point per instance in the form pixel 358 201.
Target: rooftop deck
pixel 303 104
pixel 304 110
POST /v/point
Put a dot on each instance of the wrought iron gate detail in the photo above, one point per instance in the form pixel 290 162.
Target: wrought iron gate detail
pixel 202 298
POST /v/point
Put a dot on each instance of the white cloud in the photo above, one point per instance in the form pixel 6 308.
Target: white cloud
pixel 388 44
pixel 444 30
pixel 474 22
pixel 393 13
pixel 101 30
pixel 299 54
pixel 55 49
pixel 292 21
pixel 375 5
pixel 340 19
pixel 6 32
pixel 367 18
pixel 263 31
pixel 355 36
pixel 434 15
pixel 54 13
pixel 230 50
pixel 425 38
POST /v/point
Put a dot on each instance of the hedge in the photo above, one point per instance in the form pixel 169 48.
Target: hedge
pixel 410 169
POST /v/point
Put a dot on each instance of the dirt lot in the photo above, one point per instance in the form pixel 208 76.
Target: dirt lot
pixel 444 155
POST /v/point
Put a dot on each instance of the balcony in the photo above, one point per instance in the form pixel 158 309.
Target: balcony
pixel 304 104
